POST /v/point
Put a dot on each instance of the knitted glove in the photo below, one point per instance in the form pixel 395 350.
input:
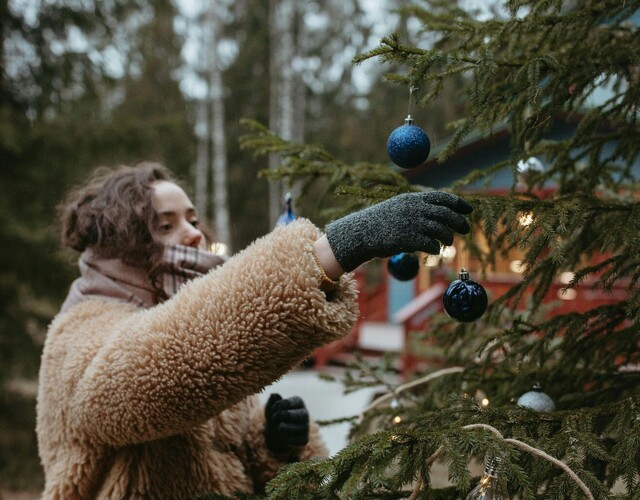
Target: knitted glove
pixel 287 425
pixel 407 222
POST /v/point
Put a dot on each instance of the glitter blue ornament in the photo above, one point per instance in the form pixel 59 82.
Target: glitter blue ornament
pixel 465 300
pixel 408 146
pixel 287 216
pixel 403 266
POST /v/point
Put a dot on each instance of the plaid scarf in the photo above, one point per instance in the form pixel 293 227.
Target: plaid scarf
pixel 110 279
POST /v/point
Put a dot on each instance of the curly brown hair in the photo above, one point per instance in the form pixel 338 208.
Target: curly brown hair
pixel 112 213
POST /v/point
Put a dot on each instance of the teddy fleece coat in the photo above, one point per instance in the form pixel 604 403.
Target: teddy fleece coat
pixel 161 402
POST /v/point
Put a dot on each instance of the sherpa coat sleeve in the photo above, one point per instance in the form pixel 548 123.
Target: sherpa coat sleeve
pixel 222 337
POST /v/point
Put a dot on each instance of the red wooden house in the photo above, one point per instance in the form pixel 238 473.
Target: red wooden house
pixel 390 310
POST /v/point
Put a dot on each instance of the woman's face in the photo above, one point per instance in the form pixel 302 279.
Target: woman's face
pixel 177 218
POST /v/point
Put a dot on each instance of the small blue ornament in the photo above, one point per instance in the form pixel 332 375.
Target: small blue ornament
pixel 408 146
pixel 287 216
pixel 465 300
pixel 403 266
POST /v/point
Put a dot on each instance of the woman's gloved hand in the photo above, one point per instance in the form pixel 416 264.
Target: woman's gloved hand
pixel 407 222
pixel 287 424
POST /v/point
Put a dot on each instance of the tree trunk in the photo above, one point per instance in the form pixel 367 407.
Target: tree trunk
pixel 281 106
pixel 218 138
pixel 202 158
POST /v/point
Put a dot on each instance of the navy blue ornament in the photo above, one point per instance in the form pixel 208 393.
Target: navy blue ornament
pixel 403 266
pixel 287 216
pixel 465 300
pixel 408 146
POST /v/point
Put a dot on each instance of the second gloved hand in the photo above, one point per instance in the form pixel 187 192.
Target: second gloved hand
pixel 407 222
pixel 287 424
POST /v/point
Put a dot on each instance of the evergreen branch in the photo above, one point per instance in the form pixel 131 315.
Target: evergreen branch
pixel 409 385
pixel 334 421
pixel 378 193
pixel 362 465
pixel 312 163
pixel 377 379
pixel 389 45
pixel 517 443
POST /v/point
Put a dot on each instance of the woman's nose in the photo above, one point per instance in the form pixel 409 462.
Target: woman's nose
pixel 192 238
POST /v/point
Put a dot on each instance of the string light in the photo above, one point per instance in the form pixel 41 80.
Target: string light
pixel 481 398
pixel 566 277
pixel 395 404
pixel 516 266
pixel 526 219
pixel 218 248
pixel 432 260
pixel 448 254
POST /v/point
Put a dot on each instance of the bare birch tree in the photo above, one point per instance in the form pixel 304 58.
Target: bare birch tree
pixel 211 161
pixel 202 134
pixel 218 135
pixel 281 103
pixel 202 158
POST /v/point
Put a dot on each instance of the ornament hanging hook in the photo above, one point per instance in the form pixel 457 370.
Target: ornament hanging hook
pixel 412 89
pixel 464 256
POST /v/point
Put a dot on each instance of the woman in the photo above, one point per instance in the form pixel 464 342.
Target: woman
pixel 150 372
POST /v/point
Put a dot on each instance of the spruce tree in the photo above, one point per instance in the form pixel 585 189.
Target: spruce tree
pixel 539 62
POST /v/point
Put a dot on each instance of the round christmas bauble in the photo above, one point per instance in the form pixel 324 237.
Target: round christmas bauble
pixel 287 216
pixel 465 300
pixel 537 400
pixel 403 266
pixel 408 146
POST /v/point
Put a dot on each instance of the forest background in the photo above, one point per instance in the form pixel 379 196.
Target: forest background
pixel 85 84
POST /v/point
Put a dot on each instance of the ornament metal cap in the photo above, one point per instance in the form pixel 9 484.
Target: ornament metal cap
pixel 492 465
pixel 408 120
pixel 463 275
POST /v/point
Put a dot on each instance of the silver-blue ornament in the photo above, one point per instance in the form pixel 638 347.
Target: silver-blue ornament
pixel 408 146
pixel 403 266
pixel 537 400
